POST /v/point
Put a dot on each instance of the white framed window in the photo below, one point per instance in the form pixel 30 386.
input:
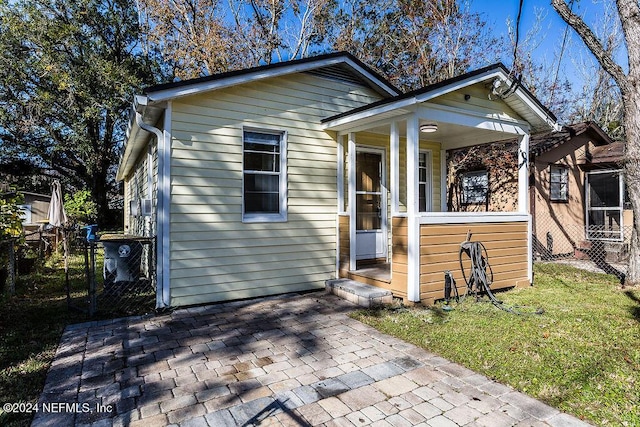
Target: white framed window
pixel 425 178
pixel 558 183
pixel 605 205
pixel 475 186
pixel 264 177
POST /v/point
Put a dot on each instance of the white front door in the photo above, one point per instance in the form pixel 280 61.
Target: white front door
pixel 371 205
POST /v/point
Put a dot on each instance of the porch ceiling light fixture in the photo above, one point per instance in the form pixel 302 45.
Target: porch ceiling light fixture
pixel 429 127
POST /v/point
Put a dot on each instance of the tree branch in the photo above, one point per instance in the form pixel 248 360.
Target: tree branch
pixel 592 42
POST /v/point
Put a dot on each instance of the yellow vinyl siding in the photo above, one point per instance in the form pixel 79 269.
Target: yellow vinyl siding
pixel 506 245
pixel 478 101
pixel 214 255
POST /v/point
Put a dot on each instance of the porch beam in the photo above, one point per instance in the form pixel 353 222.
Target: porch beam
pixel 413 238
pixel 457 116
pixel 352 200
pixel 395 168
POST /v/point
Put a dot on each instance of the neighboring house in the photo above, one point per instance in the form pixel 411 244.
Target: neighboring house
pixel 277 178
pixel 35 208
pixel 576 187
pixel 579 195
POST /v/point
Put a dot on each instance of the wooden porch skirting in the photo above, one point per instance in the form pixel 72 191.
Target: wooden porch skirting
pixel 506 244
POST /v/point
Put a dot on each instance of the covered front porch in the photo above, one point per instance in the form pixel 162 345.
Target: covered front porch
pixel 395 230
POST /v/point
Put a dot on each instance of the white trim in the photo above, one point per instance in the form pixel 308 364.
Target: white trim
pixel 471 217
pixel 394 141
pixel 429 183
pixel 261 74
pixel 413 241
pixel 352 200
pixel 383 193
pixel 283 184
pixel 443 180
pixel 340 173
pixel 530 250
pixel 523 174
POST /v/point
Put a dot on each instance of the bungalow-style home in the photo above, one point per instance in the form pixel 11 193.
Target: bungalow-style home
pixel 576 187
pixel 274 179
pixel 578 197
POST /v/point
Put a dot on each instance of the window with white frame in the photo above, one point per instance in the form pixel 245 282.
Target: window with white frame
pixel 559 183
pixel 424 181
pixel 264 176
pixel 605 205
pixel 475 186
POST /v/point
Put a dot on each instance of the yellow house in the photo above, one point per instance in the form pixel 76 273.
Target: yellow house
pixel 276 178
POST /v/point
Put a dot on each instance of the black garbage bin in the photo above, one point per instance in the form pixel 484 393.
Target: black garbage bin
pixel 122 261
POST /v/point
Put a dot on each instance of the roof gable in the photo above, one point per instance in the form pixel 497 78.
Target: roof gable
pixel 496 77
pixel 340 65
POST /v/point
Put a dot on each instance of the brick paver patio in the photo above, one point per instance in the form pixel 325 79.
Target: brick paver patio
pixel 296 360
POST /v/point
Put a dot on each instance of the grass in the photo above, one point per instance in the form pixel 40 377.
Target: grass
pixel 582 355
pixel 31 324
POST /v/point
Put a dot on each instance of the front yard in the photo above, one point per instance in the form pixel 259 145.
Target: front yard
pixel 582 355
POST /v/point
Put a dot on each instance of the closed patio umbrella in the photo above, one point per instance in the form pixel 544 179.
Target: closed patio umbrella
pixel 58 218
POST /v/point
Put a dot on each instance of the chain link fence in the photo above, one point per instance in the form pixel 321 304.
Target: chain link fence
pixel 603 249
pixel 121 277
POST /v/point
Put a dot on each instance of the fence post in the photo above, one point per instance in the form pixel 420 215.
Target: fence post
pixel 12 268
pixel 92 279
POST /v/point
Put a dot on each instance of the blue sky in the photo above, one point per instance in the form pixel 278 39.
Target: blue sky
pixel 497 13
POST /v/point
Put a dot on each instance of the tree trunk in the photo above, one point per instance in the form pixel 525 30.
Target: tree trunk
pixel 632 180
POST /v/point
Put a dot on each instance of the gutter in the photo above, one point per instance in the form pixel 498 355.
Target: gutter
pixel 162 274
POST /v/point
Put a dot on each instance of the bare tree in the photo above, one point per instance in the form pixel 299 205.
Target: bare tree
pixel 629 85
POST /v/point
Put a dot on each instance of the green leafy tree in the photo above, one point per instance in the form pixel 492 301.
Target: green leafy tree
pixel 68 70
pixel 80 207
pixel 10 215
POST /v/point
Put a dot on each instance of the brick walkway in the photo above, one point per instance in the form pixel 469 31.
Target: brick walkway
pixel 291 361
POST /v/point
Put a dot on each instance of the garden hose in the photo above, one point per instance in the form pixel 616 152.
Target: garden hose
pixel 480 275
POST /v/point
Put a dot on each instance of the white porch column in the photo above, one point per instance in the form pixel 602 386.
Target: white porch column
pixel 352 200
pixel 443 180
pixel 523 197
pixel 394 143
pixel 339 195
pixel 340 173
pixel 413 238
pixel 523 174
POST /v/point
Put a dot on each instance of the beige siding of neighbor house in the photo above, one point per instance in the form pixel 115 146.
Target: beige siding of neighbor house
pixel 214 255
pixel 564 221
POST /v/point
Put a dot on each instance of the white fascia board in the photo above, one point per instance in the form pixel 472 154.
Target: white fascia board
pixel 346 122
pixel 487 75
pixel 553 124
pixel 216 84
pixel 372 78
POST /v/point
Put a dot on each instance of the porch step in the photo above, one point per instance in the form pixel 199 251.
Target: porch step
pixel 359 293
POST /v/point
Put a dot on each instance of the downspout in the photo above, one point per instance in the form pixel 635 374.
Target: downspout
pixel 162 296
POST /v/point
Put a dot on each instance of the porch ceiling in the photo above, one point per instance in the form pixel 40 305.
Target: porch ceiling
pixel 450 136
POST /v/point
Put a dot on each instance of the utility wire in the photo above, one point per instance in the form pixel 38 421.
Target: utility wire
pixel 562 47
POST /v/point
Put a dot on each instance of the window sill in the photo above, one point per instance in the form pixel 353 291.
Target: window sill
pixel 253 218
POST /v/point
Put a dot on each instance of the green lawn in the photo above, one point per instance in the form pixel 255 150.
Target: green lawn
pixel 31 323
pixel 582 355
